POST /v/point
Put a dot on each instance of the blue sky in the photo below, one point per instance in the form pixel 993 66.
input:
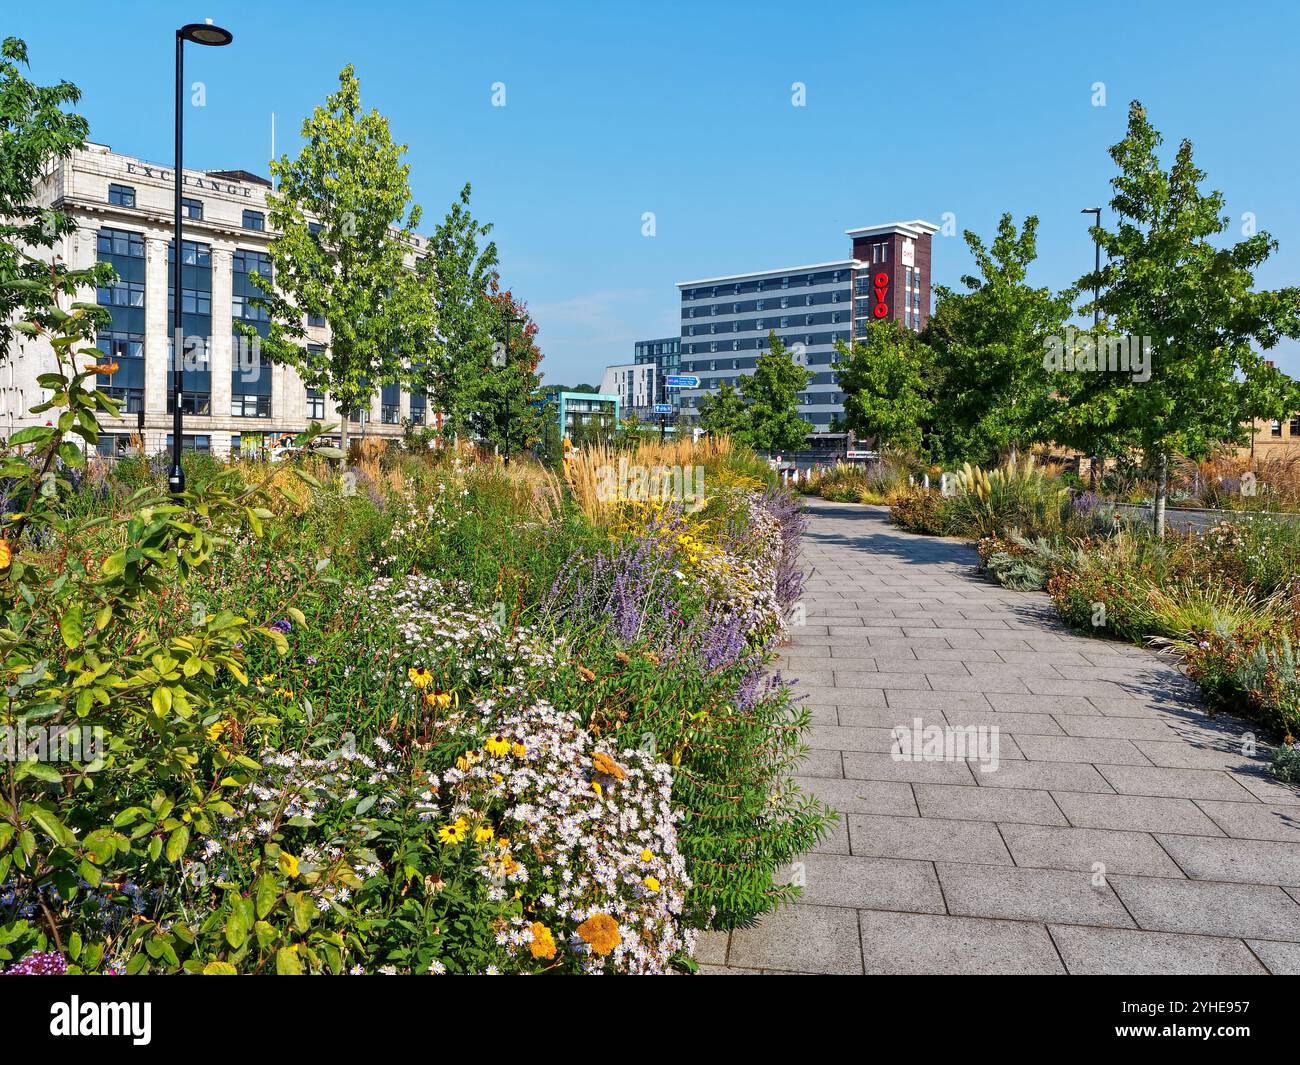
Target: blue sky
pixel 684 110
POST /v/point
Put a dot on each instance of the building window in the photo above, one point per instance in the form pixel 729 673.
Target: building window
pixel 315 405
pixel 249 405
pixel 1295 425
pixel 254 220
pixel 192 209
pixel 201 444
pixel 316 321
pixel 121 195
pixel 1275 427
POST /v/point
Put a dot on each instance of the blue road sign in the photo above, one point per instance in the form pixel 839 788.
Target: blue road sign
pixel 663 408
pixel 681 381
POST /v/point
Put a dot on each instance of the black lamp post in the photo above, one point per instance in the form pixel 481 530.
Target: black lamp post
pixel 511 322
pixel 207 34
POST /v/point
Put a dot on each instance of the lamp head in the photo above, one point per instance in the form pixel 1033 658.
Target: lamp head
pixel 205 33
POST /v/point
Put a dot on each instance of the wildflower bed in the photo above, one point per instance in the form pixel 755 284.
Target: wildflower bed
pixel 460 719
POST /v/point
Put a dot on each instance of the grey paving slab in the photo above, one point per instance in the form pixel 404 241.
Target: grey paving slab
pixel 974 803
pixel 1282 959
pixel 1029 895
pixel 1046 776
pixel 1242 861
pixel 806 939
pixel 864 765
pixel 1138 813
pixel 1255 820
pixel 868 882
pixel 1126 952
pixel 1212 909
pixel 1041 847
pixel 1181 783
pixel 1079 749
pixel 919 944
pixel 929 839
pixel 861 796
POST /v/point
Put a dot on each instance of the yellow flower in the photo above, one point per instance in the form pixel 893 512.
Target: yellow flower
pixel 268 678
pixel 6 554
pixel 483 835
pixel 496 746
pixel 455 832
pixel 216 729
pixel 652 883
pixel 441 700
pixel 288 864
pixel 543 944
pixel 519 750
pixel 595 786
pixel 466 760
pixel 420 677
pixel 647 856
pixel 284 693
pixel 600 930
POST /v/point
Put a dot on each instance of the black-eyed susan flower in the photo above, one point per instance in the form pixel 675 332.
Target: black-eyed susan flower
pixel 420 676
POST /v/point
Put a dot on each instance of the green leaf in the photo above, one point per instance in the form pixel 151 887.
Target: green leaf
pixel 236 927
pixel 287 963
pixel 219 968
pixel 177 842
pixel 70 627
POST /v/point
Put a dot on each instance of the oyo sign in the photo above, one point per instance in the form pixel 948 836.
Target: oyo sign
pixel 881 284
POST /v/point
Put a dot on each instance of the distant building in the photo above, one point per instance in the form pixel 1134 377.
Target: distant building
pixel 665 353
pixel 575 411
pixel 634 384
pixel 1274 439
pixel 726 320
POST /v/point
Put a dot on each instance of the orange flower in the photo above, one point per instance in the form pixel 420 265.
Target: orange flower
pixel 543 944
pixel 6 554
pixel 585 673
pixel 600 930
pixel 605 764
pixel 109 368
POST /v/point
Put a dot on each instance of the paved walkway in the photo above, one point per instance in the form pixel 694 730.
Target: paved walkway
pixel 1123 830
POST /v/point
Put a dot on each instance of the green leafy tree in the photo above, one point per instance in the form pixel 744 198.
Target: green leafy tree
pixel 997 394
pixel 462 274
pixel 1165 280
pixel 501 412
pixel 889 382
pixel 345 223
pixel 771 394
pixel 35 130
pixel 722 413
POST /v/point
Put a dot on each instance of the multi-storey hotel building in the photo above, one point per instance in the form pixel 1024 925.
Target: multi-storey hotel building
pixel 233 398
pixel 726 320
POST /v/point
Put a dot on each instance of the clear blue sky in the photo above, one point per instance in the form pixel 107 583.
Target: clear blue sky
pixel 684 109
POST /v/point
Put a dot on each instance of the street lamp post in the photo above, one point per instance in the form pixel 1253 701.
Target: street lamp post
pixel 214 36
pixel 1096 312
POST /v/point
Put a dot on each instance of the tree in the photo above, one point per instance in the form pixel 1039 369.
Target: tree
pixel 771 395
pixel 35 130
pixel 889 384
pixel 500 408
pixel 1165 281
pixel 345 223
pixel 722 413
pixel 989 340
pixel 463 277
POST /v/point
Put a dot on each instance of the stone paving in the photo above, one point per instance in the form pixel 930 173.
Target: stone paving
pixel 1123 830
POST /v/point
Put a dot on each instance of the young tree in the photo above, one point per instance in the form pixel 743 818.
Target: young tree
pixel 1166 281
pixel 345 222
pixel 771 395
pixel 989 341
pixel 463 277
pixel 722 413
pixel 889 384
pixel 35 129
pixel 500 409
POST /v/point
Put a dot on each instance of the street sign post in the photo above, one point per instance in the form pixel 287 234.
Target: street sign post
pixel 681 381
pixel 663 408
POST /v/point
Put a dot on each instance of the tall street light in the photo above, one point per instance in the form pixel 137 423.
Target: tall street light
pixel 1096 311
pixel 207 34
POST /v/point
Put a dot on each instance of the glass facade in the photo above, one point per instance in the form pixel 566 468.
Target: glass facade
pixel 250 371
pixel 123 341
pixel 196 325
